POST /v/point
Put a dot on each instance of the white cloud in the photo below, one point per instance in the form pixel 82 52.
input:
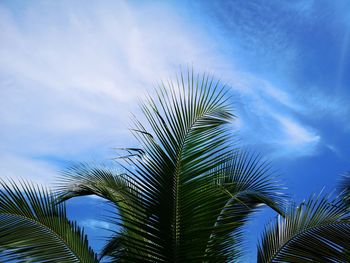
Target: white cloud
pixel 95 224
pixel 296 139
pixel 264 109
pixel 295 133
pixel 18 168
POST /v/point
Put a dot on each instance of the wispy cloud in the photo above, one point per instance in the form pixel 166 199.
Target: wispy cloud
pixel 20 167
pixel 79 76
pixel 296 139
pixel 70 74
pixel 95 224
pixel 270 118
pixel 296 134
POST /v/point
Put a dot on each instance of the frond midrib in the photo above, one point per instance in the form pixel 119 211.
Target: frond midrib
pixel 178 165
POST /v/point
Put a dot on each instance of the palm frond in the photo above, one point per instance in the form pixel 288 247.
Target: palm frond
pixel 344 187
pixel 34 228
pixel 317 230
pixel 248 183
pixel 99 180
pixel 116 187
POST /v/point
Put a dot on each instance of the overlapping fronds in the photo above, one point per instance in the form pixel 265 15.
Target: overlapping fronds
pixel 344 187
pixel 34 229
pixel 186 189
pixel 317 230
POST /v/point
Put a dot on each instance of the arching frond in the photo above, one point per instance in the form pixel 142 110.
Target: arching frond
pixel 317 230
pixel 103 181
pixel 112 185
pixel 34 228
pixel 344 187
pixel 248 183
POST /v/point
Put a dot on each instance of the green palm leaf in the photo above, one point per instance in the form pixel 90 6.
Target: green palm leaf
pixel 117 188
pixel 344 187
pixel 247 183
pixel 34 229
pixel 315 231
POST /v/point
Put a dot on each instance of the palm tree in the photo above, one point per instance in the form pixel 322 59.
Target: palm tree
pixel 317 230
pixel 182 196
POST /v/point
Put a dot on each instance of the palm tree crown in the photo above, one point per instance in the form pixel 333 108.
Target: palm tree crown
pixel 186 191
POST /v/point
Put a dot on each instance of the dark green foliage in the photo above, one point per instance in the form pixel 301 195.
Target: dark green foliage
pixel 34 229
pixel 344 188
pixel 315 231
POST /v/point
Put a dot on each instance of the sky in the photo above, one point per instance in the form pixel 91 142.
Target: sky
pixel 72 72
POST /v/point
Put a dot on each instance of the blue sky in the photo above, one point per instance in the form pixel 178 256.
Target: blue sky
pixel 72 71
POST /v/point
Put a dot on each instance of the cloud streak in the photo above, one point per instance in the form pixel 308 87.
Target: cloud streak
pixel 20 168
pixel 95 224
